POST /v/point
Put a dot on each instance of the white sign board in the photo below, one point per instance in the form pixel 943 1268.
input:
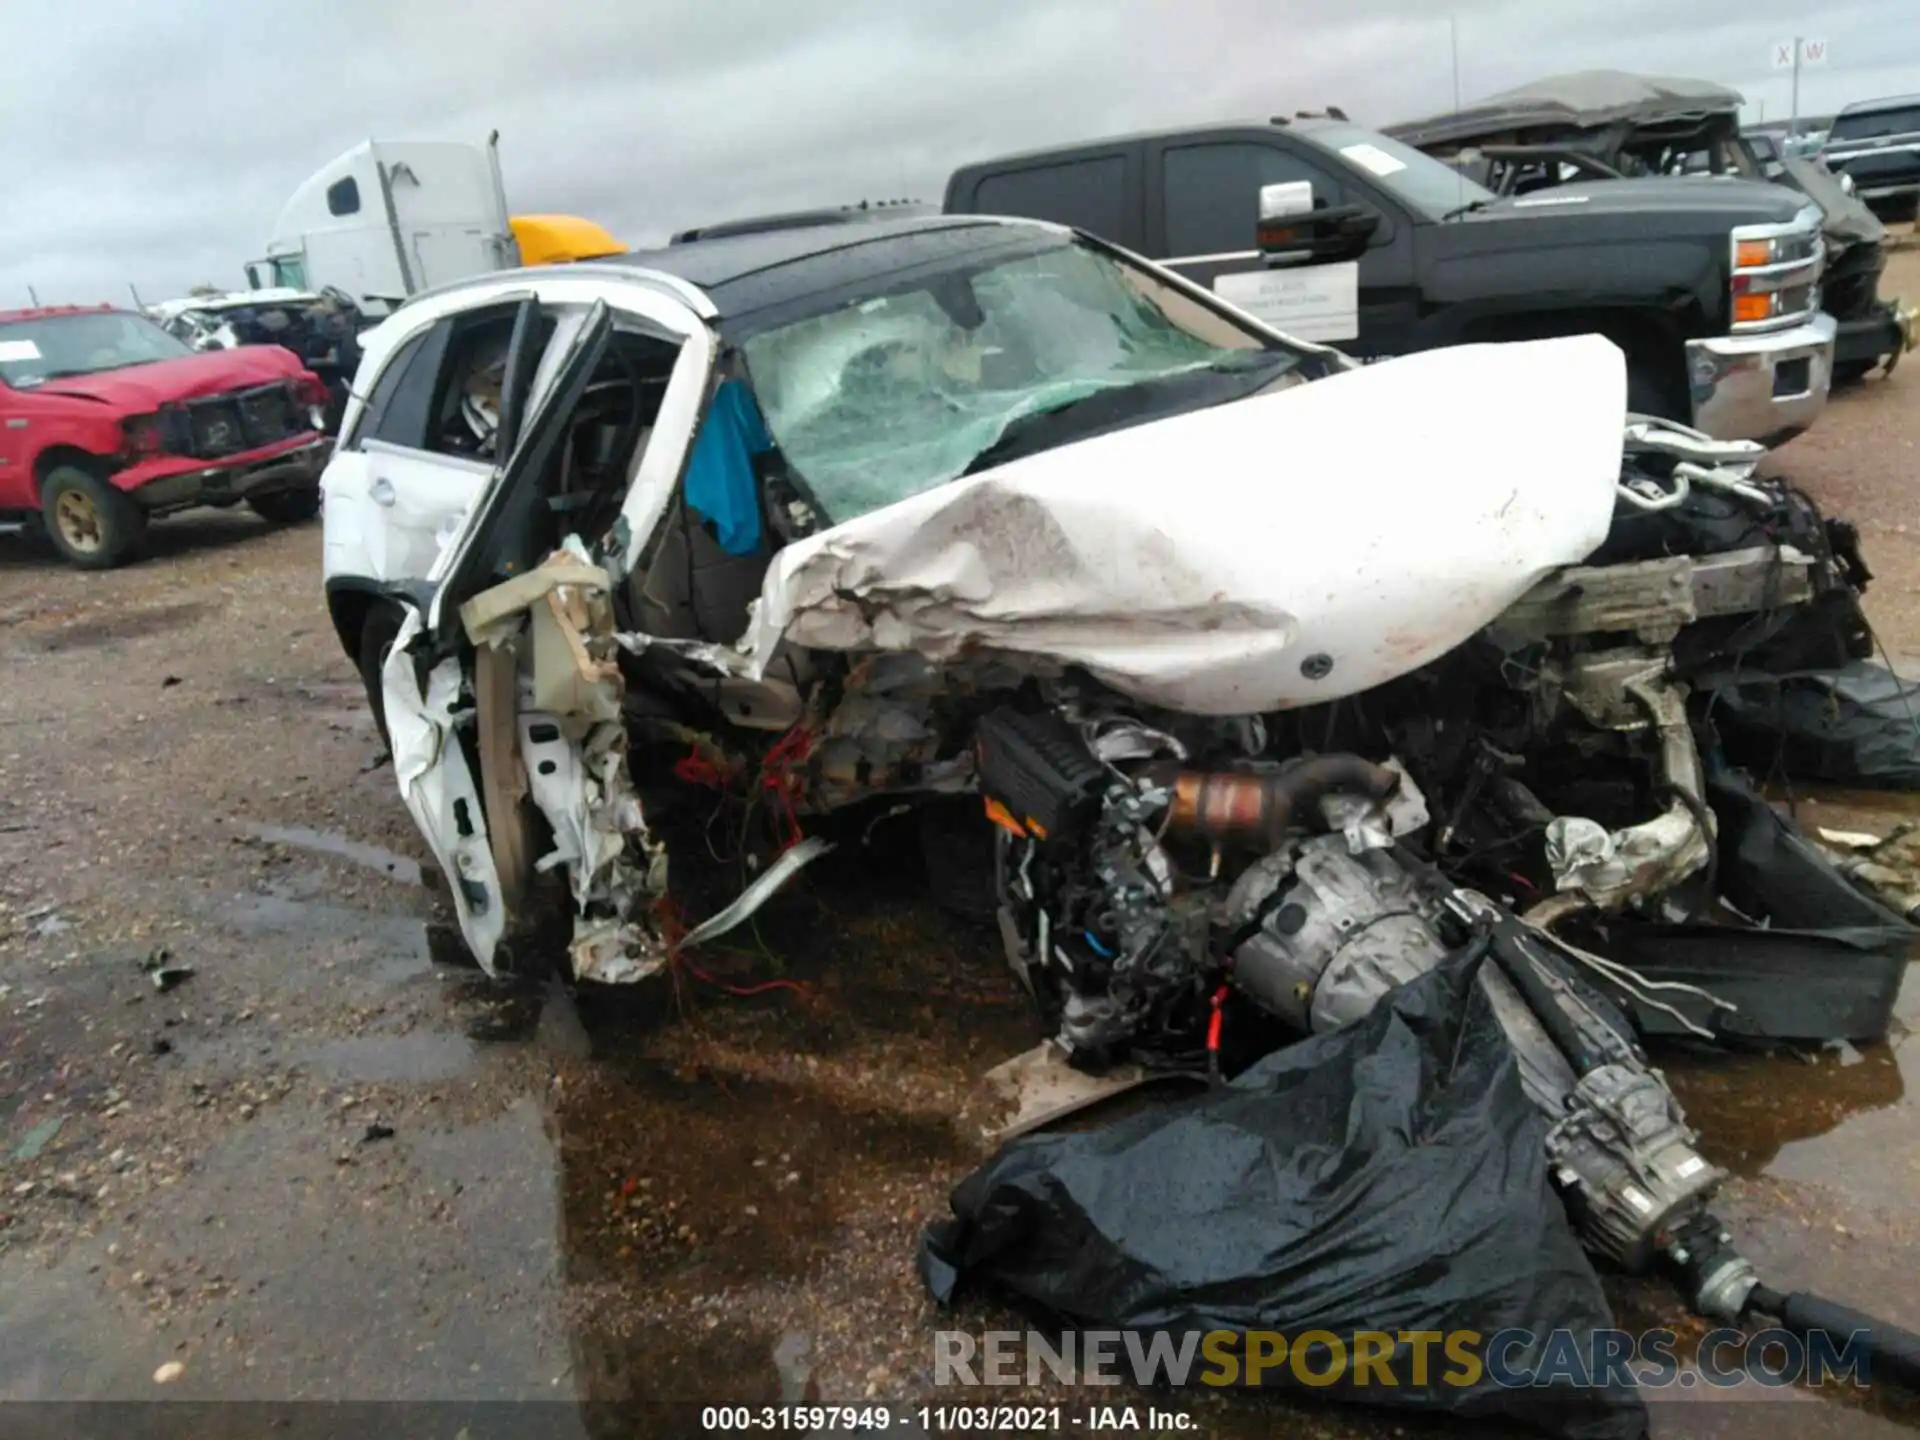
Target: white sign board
pixel 1373 158
pixel 1313 302
pixel 13 351
pixel 1812 52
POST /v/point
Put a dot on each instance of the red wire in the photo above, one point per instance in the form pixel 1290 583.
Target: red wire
pixel 743 991
pixel 696 769
pixel 1214 1021
pixel 673 926
pixel 783 788
pixel 782 785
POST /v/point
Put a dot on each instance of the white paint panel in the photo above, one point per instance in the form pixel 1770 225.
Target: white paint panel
pixel 1279 551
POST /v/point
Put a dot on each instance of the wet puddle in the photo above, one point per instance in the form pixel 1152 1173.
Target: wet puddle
pixel 398 948
pixel 740 1162
pixel 123 625
pixel 1843 1117
pixel 731 1178
pixel 323 842
pixel 420 1057
pixel 677 1363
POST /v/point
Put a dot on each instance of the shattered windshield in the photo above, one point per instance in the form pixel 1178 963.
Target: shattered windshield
pixel 48 347
pixel 893 394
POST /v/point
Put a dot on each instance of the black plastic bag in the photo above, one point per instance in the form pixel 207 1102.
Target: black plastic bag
pixel 1389 1177
pixel 1856 725
pixel 1828 965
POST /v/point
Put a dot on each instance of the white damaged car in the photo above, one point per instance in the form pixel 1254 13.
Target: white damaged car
pixel 775 518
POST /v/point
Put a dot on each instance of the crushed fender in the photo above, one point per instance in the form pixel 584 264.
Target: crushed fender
pixel 570 750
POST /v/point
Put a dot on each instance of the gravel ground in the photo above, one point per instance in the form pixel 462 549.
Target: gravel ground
pixel 334 1163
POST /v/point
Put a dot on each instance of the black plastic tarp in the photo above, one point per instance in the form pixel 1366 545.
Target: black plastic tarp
pixel 1584 99
pixel 1388 1177
pixel 1856 725
pixel 1828 965
pixel 1844 218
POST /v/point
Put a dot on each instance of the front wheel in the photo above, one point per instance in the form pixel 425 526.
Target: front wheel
pixel 286 507
pixel 91 524
pixel 1651 391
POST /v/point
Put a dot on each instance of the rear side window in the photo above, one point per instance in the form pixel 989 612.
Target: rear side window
pixel 401 402
pixel 1211 193
pixel 343 197
pixel 1899 120
pixel 1089 195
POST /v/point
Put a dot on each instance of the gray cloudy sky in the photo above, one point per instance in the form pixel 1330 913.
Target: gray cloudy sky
pixel 155 143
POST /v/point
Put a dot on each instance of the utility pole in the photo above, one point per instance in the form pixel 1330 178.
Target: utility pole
pixel 136 296
pixel 1453 39
pixel 1793 123
pixel 34 296
pixel 1453 45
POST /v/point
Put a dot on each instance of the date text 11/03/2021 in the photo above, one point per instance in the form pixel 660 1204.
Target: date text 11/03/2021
pixel 945 1419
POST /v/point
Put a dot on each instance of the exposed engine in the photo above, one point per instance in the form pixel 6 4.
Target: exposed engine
pixel 1147 904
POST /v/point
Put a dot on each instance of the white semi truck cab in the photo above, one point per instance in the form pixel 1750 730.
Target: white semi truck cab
pixel 391 218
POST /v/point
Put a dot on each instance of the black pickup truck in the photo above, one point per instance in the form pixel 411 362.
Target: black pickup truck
pixel 1877 142
pixel 1336 233
pixel 1611 123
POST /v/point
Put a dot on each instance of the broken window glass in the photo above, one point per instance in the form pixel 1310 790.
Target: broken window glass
pixel 896 393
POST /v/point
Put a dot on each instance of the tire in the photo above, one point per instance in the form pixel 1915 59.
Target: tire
pixel 1895 209
pixel 957 844
pixel 33 534
pixel 286 507
pixel 91 524
pixel 1651 392
pixel 377 635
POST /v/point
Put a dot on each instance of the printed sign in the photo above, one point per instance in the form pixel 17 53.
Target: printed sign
pixel 17 350
pixel 1372 157
pixel 1812 52
pixel 1314 302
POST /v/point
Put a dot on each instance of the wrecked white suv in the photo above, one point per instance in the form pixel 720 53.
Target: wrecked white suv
pixel 781 515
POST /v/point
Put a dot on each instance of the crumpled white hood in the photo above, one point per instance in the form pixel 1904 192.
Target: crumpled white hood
pixel 1278 551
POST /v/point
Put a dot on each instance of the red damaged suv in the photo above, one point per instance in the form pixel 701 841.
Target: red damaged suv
pixel 106 420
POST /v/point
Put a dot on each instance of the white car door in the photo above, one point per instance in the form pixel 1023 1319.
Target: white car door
pixel 392 510
pixel 430 666
pixel 426 670
pixel 389 504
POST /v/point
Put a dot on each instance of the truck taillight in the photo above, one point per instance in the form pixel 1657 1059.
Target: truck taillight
pixel 142 437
